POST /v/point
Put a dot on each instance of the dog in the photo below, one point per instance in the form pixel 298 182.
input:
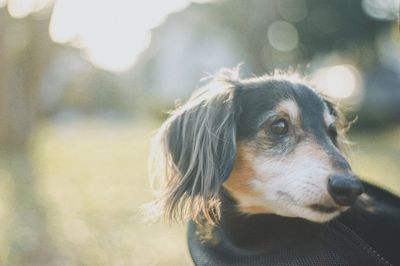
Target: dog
pixel 258 167
pixel 273 143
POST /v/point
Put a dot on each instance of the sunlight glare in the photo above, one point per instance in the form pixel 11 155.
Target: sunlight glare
pixel 62 28
pixel 111 33
pixel 340 82
pixel 22 8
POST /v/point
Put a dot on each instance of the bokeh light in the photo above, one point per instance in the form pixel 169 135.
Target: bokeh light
pixel 339 82
pixel 382 10
pixel 292 10
pixel 283 36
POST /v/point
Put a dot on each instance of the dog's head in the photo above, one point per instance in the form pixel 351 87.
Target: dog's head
pixel 271 142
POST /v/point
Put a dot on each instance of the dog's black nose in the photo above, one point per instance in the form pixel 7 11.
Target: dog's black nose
pixel 344 189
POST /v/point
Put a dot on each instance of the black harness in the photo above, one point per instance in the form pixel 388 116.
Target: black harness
pixel 368 234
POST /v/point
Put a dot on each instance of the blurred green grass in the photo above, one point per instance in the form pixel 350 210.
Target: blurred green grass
pixel 375 157
pixel 93 181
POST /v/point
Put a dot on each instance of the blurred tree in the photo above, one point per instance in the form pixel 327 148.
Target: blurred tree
pixel 265 35
pixel 25 49
pixel 318 27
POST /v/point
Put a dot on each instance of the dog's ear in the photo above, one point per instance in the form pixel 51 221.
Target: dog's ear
pixel 198 145
pixel 341 123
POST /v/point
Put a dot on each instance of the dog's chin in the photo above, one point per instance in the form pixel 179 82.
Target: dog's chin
pixel 315 213
pixel 319 217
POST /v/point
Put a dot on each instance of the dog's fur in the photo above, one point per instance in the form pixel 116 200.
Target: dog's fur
pixel 223 138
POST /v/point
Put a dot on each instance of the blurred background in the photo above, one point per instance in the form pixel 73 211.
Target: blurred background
pixel 84 83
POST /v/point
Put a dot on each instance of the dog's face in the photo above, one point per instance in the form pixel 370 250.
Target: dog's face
pixel 287 156
pixel 271 143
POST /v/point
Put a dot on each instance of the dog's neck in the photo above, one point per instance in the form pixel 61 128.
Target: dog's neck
pixel 256 230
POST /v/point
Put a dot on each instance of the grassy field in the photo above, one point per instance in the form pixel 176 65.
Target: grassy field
pixel 93 181
pixel 94 176
pixel 375 156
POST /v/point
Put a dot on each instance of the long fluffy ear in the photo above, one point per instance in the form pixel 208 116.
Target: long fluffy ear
pixel 196 150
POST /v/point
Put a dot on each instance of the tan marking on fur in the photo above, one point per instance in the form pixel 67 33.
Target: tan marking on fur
pixel 239 181
pixel 242 174
pixel 290 108
pixel 254 210
pixel 312 147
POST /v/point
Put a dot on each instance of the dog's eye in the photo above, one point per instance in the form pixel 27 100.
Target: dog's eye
pixel 280 127
pixel 332 131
